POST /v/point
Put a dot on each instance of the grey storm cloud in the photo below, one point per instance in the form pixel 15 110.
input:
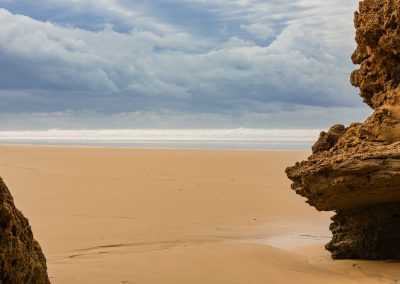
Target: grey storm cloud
pixel 166 59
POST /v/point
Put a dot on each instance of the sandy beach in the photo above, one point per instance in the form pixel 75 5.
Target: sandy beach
pixel 114 215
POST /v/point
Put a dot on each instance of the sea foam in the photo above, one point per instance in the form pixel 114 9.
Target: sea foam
pixel 141 137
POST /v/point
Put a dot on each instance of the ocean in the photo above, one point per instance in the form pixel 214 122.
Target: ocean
pixel 240 138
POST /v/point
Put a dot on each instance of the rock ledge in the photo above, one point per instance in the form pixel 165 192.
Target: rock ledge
pixel 355 170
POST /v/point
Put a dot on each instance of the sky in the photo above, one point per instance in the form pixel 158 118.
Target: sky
pixel 94 64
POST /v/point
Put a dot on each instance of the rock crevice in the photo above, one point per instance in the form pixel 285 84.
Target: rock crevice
pixel 355 170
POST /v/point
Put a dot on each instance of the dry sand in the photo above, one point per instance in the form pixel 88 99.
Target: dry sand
pixel 107 215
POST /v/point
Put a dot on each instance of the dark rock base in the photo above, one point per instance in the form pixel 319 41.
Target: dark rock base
pixel 371 232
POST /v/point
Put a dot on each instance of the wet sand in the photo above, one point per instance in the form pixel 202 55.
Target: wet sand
pixel 108 215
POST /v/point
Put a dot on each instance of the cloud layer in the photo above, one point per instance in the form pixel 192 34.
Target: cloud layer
pixel 227 62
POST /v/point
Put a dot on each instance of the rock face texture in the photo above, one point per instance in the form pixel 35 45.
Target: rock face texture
pixel 21 258
pixel 355 170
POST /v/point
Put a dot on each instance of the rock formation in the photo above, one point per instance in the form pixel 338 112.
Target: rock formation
pixel 21 258
pixel 355 171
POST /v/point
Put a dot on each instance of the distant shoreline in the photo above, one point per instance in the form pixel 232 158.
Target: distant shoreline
pixel 294 147
pixel 219 139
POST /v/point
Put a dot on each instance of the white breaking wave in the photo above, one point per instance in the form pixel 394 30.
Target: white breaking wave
pixel 166 135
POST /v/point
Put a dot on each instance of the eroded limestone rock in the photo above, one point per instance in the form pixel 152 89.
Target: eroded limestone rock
pixel 356 170
pixel 21 258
